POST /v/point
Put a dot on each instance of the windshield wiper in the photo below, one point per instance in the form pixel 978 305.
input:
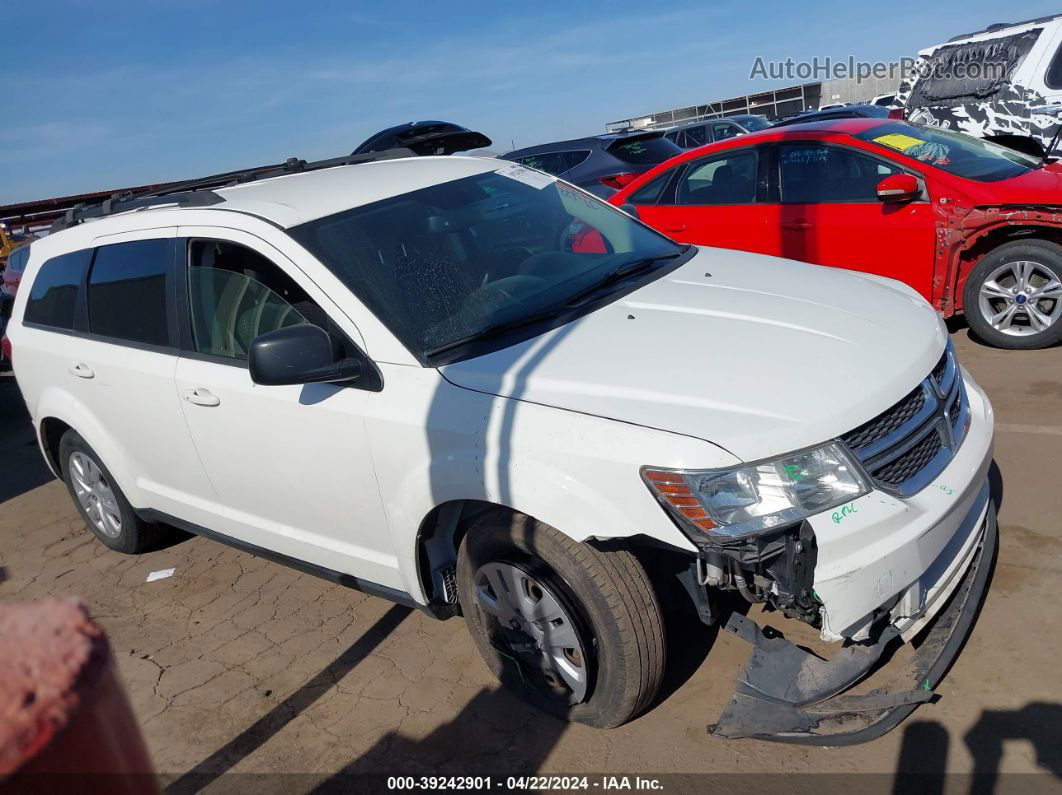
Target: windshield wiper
pixel 574 302
pixel 620 274
pixel 495 330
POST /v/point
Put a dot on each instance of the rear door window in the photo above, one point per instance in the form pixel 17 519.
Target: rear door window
pixel 723 179
pixel 650 194
pixel 54 295
pixel 127 291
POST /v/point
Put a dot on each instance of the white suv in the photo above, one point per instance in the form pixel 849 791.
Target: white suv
pixel 475 389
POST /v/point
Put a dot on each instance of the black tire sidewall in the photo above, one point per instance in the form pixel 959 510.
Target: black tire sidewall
pixel 1049 256
pixel 128 540
pixel 525 536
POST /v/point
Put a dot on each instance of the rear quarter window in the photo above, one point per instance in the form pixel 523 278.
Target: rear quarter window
pixel 54 294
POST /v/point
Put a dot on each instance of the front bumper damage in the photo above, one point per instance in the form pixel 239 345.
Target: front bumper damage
pixel 786 694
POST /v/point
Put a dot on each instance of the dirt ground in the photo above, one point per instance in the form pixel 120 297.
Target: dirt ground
pixel 236 664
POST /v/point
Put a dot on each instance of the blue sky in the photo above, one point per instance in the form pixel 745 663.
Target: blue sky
pixel 109 94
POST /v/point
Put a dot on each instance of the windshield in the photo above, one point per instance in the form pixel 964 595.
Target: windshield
pixel 953 152
pixel 510 247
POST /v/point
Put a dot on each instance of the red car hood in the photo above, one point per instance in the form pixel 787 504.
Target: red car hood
pixel 1042 186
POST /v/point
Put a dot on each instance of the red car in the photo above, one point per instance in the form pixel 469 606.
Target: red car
pixel 973 226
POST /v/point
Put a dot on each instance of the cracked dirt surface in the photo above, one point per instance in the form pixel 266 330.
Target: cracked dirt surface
pixel 239 664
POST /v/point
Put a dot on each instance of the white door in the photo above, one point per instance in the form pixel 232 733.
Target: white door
pixel 291 465
pixel 122 367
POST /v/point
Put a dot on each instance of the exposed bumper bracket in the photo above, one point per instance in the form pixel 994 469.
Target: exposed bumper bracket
pixel 789 695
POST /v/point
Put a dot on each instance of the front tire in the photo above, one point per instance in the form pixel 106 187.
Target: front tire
pixel 1013 297
pixel 102 505
pixel 573 630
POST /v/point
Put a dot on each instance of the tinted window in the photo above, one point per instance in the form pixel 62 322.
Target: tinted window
pixel 813 173
pixel 16 263
pixel 127 291
pixel 953 152
pixel 53 297
pixel 729 179
pixel 720 132
pixel 469 265
pixel 1053 78
pixel 754 123
pixel 650 194
pixel 236 294
pixel 572 159
pixel 695 136
pixel 643 150
pixel 550 162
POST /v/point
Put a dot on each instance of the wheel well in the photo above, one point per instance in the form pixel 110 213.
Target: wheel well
pixel 439 537
pixel 52 431
pixel 992 240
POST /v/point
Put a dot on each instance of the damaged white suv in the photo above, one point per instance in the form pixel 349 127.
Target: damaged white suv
pixel 475 389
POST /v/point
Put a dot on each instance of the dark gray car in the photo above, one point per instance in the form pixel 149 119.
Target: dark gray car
pixel 706 131
pixel 599 164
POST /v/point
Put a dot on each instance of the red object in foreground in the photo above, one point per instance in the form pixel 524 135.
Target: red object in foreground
pixel 62 709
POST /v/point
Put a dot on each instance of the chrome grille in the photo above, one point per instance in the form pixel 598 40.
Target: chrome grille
pixel 888 421
pixel 907 445
pixel 902 469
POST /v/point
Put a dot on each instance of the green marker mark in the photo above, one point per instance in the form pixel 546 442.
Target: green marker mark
pixel 794 472
pixel 925 685
pixel 946 489
pixel 847 510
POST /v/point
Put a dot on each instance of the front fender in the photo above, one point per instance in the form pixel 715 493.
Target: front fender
pixel 576 472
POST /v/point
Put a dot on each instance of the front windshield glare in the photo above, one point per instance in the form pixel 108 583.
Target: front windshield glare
pixel 954 152
pixel 448 262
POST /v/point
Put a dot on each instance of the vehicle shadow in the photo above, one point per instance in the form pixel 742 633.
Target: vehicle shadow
pixel 258 733
pixel 923 760
pixel 22 466
pixel 495 734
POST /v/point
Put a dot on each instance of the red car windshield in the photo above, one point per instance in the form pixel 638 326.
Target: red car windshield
pixel 955 153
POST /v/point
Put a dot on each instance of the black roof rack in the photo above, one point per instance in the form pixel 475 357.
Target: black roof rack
pixel 1003 26
pixel 199 193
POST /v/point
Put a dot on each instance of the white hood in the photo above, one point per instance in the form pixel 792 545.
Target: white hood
pixel 756 354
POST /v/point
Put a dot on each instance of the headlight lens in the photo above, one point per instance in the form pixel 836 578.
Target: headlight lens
pixel 754 498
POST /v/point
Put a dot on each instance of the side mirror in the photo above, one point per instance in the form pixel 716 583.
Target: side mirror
pixel 302 354
pixel 898 188
pixel 631 210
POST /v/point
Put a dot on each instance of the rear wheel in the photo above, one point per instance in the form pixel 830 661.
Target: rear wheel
pixel 101 503
pixel 571 629
pixel 1013 297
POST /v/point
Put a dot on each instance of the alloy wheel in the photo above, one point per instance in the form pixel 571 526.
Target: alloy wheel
pixel 95 495
pixel 1021 298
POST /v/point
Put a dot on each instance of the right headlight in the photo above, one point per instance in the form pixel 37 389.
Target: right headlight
pixel 750 499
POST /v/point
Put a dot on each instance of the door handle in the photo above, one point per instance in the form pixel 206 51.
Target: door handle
pixel 676 228
pixel 799 224
pixel 202 397
pixel 82 370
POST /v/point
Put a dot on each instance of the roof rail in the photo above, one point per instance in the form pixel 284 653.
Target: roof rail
pixel 199 192
pixel 998 26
